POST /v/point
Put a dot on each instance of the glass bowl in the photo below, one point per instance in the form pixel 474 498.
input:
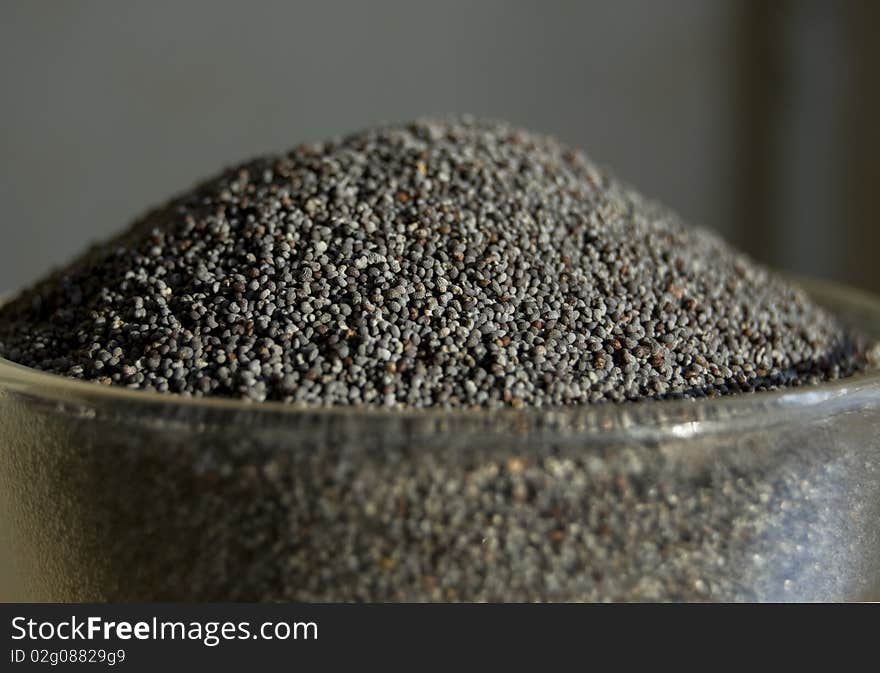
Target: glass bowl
pixel 114 495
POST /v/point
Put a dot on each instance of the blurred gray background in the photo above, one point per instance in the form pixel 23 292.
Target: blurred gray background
pixel 756 119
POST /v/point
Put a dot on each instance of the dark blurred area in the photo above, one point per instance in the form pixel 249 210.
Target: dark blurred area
pixel 757 119
pixel 808 147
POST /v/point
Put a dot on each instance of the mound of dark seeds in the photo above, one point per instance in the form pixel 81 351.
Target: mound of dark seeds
pixel 456 263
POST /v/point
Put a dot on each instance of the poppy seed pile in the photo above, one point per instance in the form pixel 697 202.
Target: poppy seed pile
pixel 458 263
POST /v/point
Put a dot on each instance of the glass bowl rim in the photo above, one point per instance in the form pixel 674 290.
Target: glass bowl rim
pixel 680 417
